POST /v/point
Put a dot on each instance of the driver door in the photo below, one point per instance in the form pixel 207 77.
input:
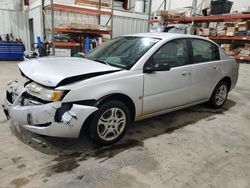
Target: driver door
pixel 168 89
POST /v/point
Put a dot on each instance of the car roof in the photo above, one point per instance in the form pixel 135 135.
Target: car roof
pixel 162 35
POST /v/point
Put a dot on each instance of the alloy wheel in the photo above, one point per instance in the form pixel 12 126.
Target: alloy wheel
pixel 221 95
pixel 111 124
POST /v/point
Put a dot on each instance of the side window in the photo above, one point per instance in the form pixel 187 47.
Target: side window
pixel 204 51
pixel 175 53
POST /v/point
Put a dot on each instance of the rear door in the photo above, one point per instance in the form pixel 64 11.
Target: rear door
pixel 168 89
pixel 207 68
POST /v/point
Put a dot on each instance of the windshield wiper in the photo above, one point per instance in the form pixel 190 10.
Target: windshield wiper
pixel 107 63
pixel 102 61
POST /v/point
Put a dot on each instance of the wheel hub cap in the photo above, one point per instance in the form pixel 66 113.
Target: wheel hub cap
pixel 111 124
pixel 221 95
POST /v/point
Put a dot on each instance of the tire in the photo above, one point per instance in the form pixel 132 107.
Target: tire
pixel 110 123
pixel 219 95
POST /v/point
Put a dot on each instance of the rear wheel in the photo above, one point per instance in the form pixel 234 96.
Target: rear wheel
pixel 110 123
pixel 219 95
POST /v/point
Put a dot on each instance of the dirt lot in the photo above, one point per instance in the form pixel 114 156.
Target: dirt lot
pixel 195 147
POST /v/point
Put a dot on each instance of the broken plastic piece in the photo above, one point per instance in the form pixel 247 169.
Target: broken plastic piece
pixel 66 117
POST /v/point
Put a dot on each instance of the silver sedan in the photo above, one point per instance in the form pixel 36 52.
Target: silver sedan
pixel 128 79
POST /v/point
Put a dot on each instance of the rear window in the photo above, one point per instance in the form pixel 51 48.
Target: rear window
pixel 204 51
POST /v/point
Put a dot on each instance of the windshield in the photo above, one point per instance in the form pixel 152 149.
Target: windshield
pixel 122 52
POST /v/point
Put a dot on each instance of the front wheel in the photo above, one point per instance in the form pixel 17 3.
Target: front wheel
pixel 219 95
pixel 110 123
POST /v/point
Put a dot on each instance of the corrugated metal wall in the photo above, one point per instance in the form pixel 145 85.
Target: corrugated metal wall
pixel 5 21
pixel 13 22
pixel 127 25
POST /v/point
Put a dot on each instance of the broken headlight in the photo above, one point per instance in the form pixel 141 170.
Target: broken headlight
pixel 43 93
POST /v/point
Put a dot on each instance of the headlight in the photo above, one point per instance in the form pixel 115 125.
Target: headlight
pixel 44 93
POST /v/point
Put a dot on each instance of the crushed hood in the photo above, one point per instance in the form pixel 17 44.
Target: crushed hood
pixel 53 72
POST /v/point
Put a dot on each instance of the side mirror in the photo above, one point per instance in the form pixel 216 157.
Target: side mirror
pixel 157 67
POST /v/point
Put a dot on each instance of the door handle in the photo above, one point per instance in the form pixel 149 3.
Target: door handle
pixel 186 73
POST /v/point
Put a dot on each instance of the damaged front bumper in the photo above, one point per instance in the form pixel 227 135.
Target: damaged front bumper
pixel 51 119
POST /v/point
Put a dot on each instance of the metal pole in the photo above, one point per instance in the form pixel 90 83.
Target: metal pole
pixel 165 4
pixel 161 5
pixel 193 13
pixel 194 6
pixel 169 6
pixel 99 7
pixel 112 18
pixel 144 10
pixel 44 31
pixel 149 13
pixel 52 26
